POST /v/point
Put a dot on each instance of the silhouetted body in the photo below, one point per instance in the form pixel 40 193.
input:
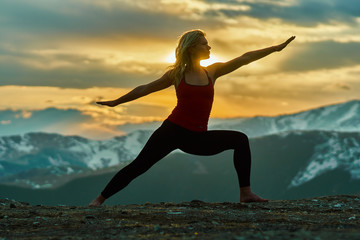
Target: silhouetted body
pixel 186 127
pixel 192 137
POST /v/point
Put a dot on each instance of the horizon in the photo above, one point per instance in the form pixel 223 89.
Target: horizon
pixel 67 55
pixel 71 117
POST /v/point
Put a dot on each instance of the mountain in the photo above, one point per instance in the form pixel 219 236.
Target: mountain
pixel 311 144
pixel 344 117
pixel 338 117
pixel 280 163
pixel 44 154
pixel 301 164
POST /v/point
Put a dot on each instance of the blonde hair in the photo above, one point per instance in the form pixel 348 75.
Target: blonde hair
pixel 186 40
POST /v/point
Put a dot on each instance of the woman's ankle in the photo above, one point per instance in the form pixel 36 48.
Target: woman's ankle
pixel 101 198
pixel 98 201
pixel 245 190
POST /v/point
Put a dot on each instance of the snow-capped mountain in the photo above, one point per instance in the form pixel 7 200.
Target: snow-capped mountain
pixel 65 154
pixel 343 117
pixel 334 151
pixel 280 170
pixel 41 154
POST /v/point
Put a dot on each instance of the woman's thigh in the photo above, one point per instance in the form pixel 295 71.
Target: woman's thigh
pixel 160 144
pixel 213 142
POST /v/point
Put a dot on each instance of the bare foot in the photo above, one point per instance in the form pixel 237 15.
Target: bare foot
pixel 97 201
pixel 254 198
pixel 246 196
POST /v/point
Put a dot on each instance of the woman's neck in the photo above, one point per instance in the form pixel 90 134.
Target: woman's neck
pixel 194 67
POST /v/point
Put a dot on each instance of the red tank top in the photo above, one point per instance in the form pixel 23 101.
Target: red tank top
pixel 194 103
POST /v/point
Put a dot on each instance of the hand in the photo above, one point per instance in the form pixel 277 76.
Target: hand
pixel 284 44
pixel 107 103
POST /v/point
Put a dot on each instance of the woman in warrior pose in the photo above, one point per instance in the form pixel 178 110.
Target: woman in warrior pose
pixel 186 127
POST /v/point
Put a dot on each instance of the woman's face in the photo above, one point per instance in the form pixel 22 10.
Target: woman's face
pixel 201 50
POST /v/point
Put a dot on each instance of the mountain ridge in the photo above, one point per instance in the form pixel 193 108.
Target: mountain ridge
pixel 54 120
pixel 279 165
pixel 43 160
pixel 344 117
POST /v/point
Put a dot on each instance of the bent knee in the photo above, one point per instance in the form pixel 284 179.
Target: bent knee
pixel 242 138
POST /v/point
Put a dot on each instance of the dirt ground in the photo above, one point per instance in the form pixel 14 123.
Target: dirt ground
pixel 332 217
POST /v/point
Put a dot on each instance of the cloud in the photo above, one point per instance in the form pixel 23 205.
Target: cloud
pixel 72 70
pixel 49 120
pixel 80 44
pixel 323 55
pixel 338 86
pixel 305 13
pixel 88 18
pixel 5 122
pixel 66 54
pixel 73 111
pixel 249 95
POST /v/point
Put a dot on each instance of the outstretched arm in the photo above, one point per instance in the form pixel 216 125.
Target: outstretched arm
pixel 220 69
pixel 140 91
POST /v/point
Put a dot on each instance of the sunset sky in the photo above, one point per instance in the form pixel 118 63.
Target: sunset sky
pixel 66 54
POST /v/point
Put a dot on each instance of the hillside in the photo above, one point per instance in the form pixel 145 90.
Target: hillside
pixel 291 160
pixel 335 217
pixel 283 168
pixel 42 160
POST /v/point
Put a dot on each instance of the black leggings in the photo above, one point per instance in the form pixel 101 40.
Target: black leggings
pixel 169 137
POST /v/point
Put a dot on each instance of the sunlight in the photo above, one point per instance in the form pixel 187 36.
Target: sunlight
pixel 213 59
pixel 170 58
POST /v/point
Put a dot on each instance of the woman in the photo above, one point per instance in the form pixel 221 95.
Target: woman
pixel 186 127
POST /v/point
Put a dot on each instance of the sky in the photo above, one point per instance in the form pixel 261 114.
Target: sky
pixel 67 54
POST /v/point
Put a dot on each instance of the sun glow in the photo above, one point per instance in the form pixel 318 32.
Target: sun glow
pixel 209 61
pixel 170 58
pixel 213 59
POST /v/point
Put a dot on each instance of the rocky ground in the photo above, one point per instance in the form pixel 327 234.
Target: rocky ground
pixel 333 217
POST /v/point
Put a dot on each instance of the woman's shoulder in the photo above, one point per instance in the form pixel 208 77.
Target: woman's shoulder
pixel 211 70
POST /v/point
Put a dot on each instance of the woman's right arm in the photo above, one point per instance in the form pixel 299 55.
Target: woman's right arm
pixel 164 82
pixel 221 69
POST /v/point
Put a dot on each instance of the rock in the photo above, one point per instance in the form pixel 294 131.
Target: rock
pixel 157 228
pixel 174 213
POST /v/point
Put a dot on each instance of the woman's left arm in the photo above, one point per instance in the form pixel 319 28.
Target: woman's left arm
pixel 220 69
